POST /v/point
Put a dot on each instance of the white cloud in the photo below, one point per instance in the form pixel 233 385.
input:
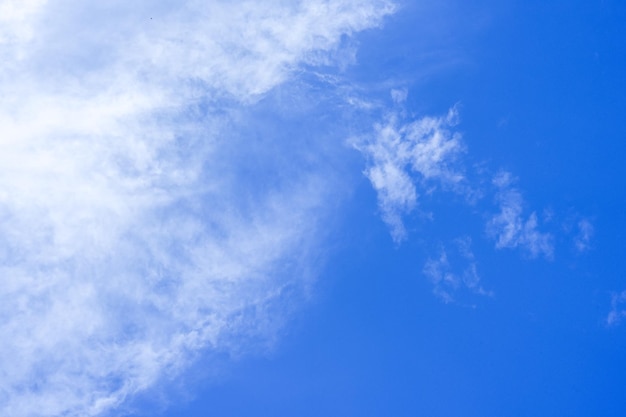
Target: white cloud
pixel 618 309
pixel 444 281
pixel 399 95
pixel 15 17
pixel 404 157
pixel 510 228
pixel 449 279
pixel 582 241
pixel 129 240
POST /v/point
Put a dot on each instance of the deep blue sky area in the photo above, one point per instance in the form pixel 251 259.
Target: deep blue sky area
pixel 540 87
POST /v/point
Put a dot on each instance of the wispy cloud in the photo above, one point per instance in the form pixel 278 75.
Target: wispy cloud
pixel 130 238
pixel 618 309
pixel 405 158
pixel 582 240
pixel 510 228
pixel 450 280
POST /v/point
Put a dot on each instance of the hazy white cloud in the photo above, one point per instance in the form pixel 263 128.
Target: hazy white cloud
pixel 399 95
pixel 129 237
pixel 582 240
pixel 451 279
pixel 510 228
pixel 405 158
pixel 15 18
pixel 444 281
pixel 618 309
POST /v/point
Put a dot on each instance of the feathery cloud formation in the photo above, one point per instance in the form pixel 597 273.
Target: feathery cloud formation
pixel 404 157
pixel 448 279
pixel 618 309
pixel 130 240
pixel 406 160
pixel 510 228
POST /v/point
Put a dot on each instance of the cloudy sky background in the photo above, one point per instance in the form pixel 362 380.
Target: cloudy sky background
pixel 311 208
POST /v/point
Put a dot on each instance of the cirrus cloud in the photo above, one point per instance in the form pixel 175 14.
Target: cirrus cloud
pixel 130 238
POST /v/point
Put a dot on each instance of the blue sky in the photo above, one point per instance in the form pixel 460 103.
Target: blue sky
pixel 351 208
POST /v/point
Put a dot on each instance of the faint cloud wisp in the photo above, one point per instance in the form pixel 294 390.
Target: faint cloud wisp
pixel 509 227
pixel 618 309
pixel 449 279
pixel 582 241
